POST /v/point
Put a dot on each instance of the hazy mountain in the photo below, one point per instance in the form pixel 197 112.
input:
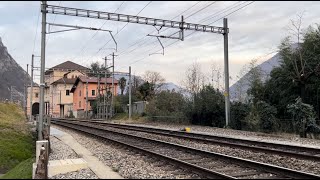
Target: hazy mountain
pixel 11 74
pixel 266 67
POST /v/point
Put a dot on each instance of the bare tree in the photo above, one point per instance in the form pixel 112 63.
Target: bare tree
pixel 216 76
pixel 155 79
pixel 298 56
pixel 194 78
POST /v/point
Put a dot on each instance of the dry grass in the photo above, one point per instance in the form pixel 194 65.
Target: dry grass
pixel 16 142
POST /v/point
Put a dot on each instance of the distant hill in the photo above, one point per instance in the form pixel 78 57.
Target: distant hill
pixel 11 74
pixel 266 67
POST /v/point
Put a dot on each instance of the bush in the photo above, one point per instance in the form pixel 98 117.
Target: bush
pixel 303 116
pixel 261 118
pixel 268 122
pixel 238 113
pixel 207 108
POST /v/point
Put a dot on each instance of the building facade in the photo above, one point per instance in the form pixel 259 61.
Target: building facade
pixel 83 85
pixel 59 81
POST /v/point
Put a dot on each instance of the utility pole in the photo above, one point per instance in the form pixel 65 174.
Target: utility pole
pixel 112 106
pixel 98 106
pixel 87 99
pixel 226 71
pixel 42 84
pixel 130 93
pixel 31 87
pixel 105 109
pixel 60 104
pixel 25 91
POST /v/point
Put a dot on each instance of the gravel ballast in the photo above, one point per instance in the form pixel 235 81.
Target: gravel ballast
pixel 127 163
pixel 274 138
pixel 283 161
pixel 81 174
pixel 60 150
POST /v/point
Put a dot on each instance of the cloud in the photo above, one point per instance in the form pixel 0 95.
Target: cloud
pixel 254 32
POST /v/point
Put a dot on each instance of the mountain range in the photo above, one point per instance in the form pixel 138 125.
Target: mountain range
pixel 11 75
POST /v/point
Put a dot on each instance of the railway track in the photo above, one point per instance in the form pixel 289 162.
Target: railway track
pixel 206 164
pixel 306 153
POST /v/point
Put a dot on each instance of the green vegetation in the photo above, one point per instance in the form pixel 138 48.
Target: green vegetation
pixel 16 142
pixel 21 171
pixel 283 102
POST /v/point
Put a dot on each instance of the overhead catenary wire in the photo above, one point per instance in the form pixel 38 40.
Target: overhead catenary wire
pixel 193 32
pixel 210 17
pixel 95 33
pixel 125 26
pixel 47 41
pixel 137 43
pixel 35 36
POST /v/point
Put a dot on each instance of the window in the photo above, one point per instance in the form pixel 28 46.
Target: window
pixel 37 95
pixel 67 92
pixel 80 93
pixel 79 104
pixel 93 93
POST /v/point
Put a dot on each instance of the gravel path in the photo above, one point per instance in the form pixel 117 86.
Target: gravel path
pixel 283 161
pixel 276 138
pixel 81 174
pixel 127 163
pixel 60 150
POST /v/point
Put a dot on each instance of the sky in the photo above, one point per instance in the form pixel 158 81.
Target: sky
pixel 254 32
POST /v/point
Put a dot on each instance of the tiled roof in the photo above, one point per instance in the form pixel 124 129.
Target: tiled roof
pixel 95 80
pixel 65 80
pixel 68 65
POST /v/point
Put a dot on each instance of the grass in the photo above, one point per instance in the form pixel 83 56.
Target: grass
pixel 16 142
pixel 21 171
pixel 123 117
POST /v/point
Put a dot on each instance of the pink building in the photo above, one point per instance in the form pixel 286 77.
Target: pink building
pixel 80 89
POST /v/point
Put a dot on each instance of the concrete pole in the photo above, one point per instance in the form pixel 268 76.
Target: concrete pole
pixel 61 115
pixel 105 109
pixel 31 87
pixel 98 106
pixel 226 70
pixel 182 29
pixel 130 84
pixel 43 54
pixel 112 106
pixel 25 91
pixel 87 99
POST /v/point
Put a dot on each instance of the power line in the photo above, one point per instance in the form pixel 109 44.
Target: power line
pixel 210 16
pixel 201 9
pixel 138 41
pixel 95 33
pixel 196 31
pixel 55 16
pixel 135 44
pixel 124 26
pixel 35 36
